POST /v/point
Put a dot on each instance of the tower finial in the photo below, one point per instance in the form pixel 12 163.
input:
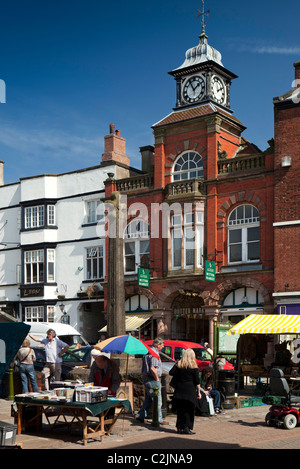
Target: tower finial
pixel 203 14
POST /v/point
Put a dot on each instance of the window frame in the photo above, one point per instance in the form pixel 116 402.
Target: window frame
pixel 243 224
pixel 181 224
pixel 190 157
pixel 95 263
pixel 136 237
pixel 92 213
pixel 34 313
pixel 39 215
pixel 37 264
pixel 34 217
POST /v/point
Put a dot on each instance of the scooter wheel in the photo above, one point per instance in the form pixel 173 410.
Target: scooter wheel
pixel 270 422
pixel 290 421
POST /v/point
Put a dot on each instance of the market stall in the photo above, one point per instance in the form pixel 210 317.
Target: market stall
pixel 260 351
pixel 70 413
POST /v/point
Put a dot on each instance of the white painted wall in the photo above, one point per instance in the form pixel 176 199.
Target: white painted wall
pixel 71 191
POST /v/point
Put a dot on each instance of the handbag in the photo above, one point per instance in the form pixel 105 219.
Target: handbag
pixel 17 365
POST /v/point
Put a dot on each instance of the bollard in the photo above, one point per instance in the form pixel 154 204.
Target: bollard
pixel 155 422
pixel 11 393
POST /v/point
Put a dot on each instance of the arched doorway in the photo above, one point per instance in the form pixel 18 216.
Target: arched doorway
pixel 189 321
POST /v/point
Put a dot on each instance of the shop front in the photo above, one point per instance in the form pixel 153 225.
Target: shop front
pixel 189 321
pixel 263 345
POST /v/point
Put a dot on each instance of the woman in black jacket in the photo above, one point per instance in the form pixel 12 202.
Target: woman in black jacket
pixel 187 390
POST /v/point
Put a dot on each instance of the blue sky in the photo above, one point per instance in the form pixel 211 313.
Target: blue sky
pixel 72 67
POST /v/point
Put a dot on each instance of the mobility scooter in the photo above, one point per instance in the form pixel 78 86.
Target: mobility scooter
pixel 284 410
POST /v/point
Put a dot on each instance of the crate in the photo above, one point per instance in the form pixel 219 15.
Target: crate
pixel 257 401
pixel 91 394
pixel 8 433
pixel 245 402
pixel 248 402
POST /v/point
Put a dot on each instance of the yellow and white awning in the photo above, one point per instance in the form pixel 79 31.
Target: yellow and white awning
pixel 133 321
pixel 268 324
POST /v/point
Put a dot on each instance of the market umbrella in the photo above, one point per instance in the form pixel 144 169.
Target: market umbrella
pixel 125 344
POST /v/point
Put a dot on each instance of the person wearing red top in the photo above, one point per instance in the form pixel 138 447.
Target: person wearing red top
pixel 104 372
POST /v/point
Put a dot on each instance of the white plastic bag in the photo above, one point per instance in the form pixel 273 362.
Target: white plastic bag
pixel 210 405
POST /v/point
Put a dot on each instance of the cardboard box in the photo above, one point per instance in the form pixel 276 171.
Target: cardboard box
pixel 67 393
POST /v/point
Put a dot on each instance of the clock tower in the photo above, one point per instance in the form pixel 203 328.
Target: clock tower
pixel 202 77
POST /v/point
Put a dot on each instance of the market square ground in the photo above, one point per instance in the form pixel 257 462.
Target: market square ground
pixel 237 429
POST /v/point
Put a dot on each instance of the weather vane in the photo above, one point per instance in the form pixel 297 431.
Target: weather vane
pixel 204 14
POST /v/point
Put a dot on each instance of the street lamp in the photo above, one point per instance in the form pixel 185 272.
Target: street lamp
pixel 65 318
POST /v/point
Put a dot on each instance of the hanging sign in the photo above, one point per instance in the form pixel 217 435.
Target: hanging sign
pixel 210 271
pixel 143 277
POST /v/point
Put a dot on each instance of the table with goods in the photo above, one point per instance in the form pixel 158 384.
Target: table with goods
pixel 71 403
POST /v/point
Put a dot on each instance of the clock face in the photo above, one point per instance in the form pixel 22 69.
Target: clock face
pixel 193 89
pixel 218 90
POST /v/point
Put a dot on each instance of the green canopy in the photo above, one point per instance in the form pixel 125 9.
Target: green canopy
pixel 12 335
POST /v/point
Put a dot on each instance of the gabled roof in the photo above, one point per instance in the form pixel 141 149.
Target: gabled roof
pixel 193 113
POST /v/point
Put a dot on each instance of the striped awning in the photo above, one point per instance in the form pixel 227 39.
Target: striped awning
pixel 133 321
pixel 267 324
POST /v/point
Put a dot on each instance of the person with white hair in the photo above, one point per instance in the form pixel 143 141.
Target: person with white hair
pixel 104 372
pixel 54 350
pixel 27 358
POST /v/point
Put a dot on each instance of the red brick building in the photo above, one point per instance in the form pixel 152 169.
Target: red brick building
pixel 206 193
pixel 287 199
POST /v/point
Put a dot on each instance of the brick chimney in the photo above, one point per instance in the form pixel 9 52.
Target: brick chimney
pixel 115 147
pixel 297 74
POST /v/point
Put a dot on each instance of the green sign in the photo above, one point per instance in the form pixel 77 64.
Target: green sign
pixel 210 271
pixel 143 277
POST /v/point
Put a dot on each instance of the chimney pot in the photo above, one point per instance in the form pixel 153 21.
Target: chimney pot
pixel 112 128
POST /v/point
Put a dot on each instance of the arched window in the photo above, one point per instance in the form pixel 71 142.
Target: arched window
pixel 243 234
pixel 136 246
pixel 189 165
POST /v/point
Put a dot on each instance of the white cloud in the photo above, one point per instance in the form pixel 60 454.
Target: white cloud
pixel 54 144
pixel 261 47
pixel 275 50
